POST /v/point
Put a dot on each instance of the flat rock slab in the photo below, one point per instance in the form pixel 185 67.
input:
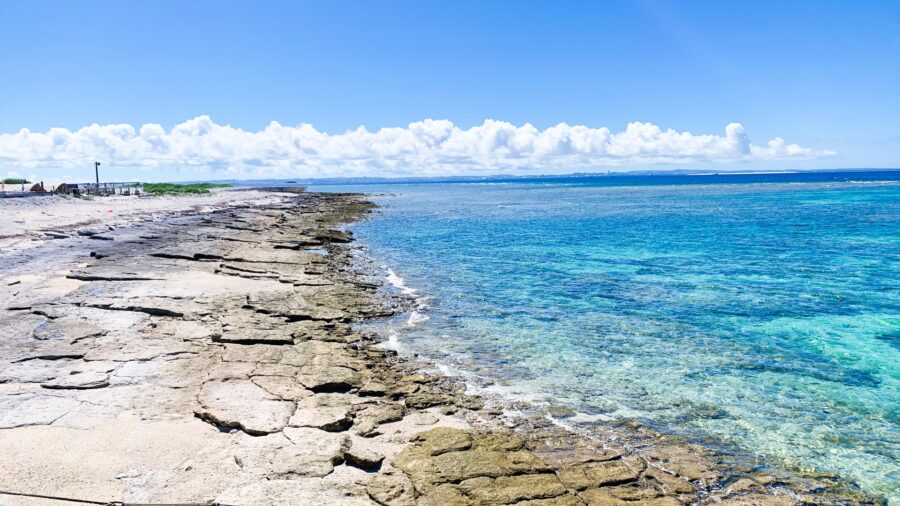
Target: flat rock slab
pixel 282 387
pixel 363 458
pixel 68 328
pixel 368 419
pixel 246 327
pixel 44 371
pixel 392 488
pixel 329 378
pixel 331 413
pixel 33 409
pixel 82 381
pixel 295 452
pixel 243 405
pixel 512 489
pixel 599 474
pixel 450 456
pixel 295 307
pixel 301 491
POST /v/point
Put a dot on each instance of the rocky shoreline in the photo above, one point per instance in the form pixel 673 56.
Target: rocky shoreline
pixel 216 358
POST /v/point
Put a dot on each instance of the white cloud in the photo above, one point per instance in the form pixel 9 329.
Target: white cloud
pixel 429 147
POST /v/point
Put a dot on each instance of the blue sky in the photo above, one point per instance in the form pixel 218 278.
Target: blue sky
pixel 823 75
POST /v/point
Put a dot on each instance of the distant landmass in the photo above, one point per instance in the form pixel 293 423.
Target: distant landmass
pixel 541 177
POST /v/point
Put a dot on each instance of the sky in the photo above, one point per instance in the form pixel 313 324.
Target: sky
pixel 171 90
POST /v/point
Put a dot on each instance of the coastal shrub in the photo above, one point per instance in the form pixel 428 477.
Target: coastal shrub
pixel 181 189
pixel 14 180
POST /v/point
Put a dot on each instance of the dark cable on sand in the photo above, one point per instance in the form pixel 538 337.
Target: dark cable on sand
pixel 105 503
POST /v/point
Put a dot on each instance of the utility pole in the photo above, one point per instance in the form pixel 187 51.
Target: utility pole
pixel 97 175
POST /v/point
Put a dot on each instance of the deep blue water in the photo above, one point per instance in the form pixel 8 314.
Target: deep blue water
pixel 762 312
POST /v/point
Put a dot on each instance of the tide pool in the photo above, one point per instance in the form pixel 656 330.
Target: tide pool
pixel 752 312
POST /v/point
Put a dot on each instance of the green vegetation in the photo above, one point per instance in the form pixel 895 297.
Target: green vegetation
pixel 14 180
pixel 181 189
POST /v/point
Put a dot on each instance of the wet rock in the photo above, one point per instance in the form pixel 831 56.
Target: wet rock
pixel 561 411
pixel 510 489
pixel 759 500
pixel 634 492
pixel 427 470
pixel 499 441
pixel 598 474
pixel 563 500
pixel 471 402
pixel 688 462
pixel 570 452
pixel 668 484
pixel 422 400
pixel 332 236
pixel 611 497
pixel 742 486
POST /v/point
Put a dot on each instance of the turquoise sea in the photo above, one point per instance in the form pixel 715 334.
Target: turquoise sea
pixel 757 312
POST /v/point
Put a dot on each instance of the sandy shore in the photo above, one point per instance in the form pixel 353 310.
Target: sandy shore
pixel 204 350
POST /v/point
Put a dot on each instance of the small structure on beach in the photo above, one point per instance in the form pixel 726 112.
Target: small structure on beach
pixel 20 189
pixel 100 189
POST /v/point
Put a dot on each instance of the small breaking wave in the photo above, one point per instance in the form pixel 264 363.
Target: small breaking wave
pixel 416 318
pixel 391 343
pixel 399 283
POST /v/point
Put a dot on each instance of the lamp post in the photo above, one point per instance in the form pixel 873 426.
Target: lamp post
pixel 97 176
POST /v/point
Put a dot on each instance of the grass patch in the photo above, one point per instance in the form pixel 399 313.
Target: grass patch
pixel 13 180
pixel 181 189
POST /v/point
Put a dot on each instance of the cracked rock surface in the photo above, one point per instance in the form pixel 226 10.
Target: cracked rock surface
pixel 214 356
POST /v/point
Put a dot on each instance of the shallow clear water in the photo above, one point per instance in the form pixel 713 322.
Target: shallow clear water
pixel 761 315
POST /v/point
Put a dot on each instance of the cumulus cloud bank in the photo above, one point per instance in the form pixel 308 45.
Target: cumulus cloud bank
pixel 429 147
